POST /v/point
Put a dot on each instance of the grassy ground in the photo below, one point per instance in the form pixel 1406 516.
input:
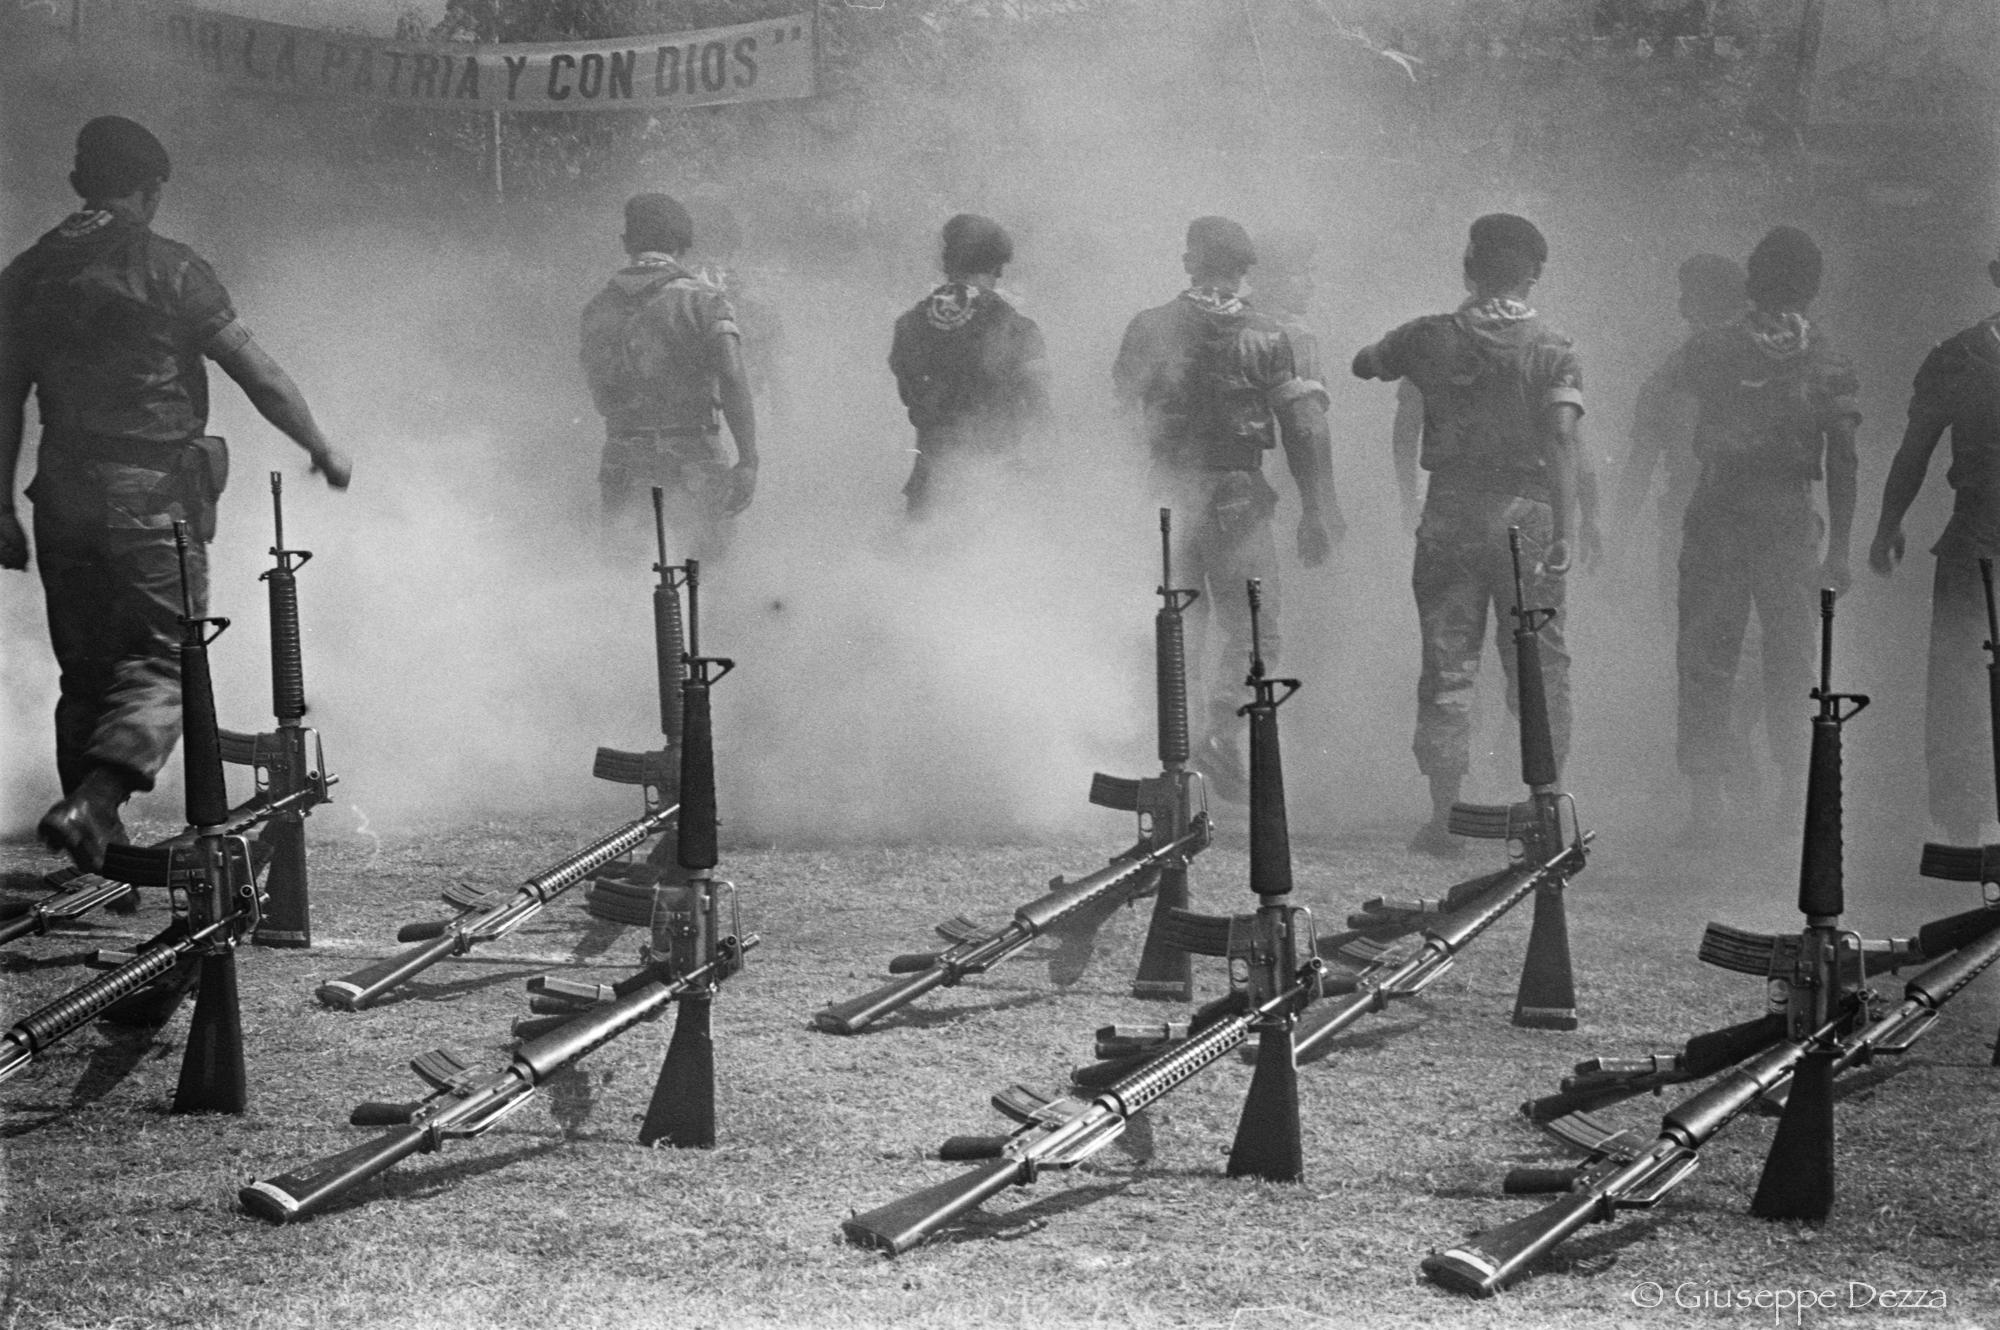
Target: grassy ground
pixel 118 1214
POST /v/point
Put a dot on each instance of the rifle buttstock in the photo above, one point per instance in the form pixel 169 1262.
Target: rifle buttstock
pixel 367 986
pixel 901 1225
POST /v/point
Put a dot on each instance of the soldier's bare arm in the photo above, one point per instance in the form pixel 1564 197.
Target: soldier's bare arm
pixel 1565 419
pixel 1906 478
pixel 733 387
pixel 13 404
pixel 1303 429
pixel 1842 468
pixel 277 399
pixel 1406 445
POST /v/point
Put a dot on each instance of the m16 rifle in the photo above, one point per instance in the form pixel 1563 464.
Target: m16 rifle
pixel 1268 989
pixel 287 760
pixel 1978 863
pixel 466 1103
pixel 1173 827
pixel 622 891
pixel 1820 1022
pixel 687 919
pixel 1548 849
pixel 212 882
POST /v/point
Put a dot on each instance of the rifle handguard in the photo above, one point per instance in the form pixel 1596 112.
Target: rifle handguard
pixel 424 930
pixel 1961 863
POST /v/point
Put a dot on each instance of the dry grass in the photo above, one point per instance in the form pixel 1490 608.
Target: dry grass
pixel 118 1214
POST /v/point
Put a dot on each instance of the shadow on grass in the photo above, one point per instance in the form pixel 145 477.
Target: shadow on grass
pixel 930 1018
pixel 598 937
pixel 1024 1221
pixel 437 993
pixel 408 1185
pixel 121 1053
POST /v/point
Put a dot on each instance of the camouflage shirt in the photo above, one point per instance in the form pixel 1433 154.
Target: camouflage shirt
pixel 110 323
pixel 1958 388
pixel 1769 387
pixel 1489 372
pixel 970 368
pixel 650 347
pixel 1210 374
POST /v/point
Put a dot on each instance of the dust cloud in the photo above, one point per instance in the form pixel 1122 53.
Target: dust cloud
pixel 472 635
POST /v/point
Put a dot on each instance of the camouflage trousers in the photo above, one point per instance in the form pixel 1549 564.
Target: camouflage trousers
pixel 1733 561
pixel 1464 572
pixel 114 604
pixel 696 484
pixel 1222 539
pixel 1958 742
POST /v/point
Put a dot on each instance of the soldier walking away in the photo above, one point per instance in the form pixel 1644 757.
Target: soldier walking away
pixel 1502 400
pixel 1776 412
pixel 1957 389
pixel 662 355
pixel 971 369
pixel 1218 384
pixel 107 323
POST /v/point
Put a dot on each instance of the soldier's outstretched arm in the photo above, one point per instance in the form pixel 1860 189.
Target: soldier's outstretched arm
pixel 1565 417
pixel 13 403
pixel 1899 491
pixel 277 399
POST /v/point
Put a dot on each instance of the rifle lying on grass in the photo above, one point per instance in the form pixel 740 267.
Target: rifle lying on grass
pixel 213 884
pixel 288 760
pixel 1625 1172
pixel 483 917
pixel 1173 827
pixel 465 1103
pixel 1816 986
pixel 75 893
pixel 1269 988
pixel 620 890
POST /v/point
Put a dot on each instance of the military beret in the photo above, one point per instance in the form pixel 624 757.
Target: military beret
pixel 976 244
pixel 1220 242
pixel 1784 269
pixel 657 222
pixel 115 156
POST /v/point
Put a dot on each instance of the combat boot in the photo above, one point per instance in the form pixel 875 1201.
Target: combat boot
pixel 85 821
pixel 1434 837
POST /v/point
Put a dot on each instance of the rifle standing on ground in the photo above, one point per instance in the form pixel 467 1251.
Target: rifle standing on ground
pixel 1815 982
pixel 1172 829
pixel 689 957
pixel 622 891
pixel 1269 988
pixel 288 759
pixel 216 903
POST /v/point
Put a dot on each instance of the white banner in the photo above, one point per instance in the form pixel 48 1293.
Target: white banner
pixel 744 63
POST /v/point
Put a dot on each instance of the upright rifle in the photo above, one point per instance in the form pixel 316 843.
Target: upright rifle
pixel 212 882
pixel 688 958
pixel 1173 827
pixel 687 918
pixel 1170 803
pixel 622 891
pixel 1816 989
pixel 1978 863
pixel 1546 854
pixel 1269 988
pixel 288 759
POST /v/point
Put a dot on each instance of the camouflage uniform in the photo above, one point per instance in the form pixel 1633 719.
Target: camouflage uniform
pixel 110 323
pixel 972 371
pixel 1770 387
pixel 1211 374
pixel 649 354
pixel 1489 373
pixel 1958 388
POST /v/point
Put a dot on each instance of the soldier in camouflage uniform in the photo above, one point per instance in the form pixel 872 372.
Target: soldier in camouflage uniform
pixel 662 355
pixel 1502 398
pixel 1218 385
pixel 1776 411
pixel 1957 389
pixel 107 324
pixel 970 367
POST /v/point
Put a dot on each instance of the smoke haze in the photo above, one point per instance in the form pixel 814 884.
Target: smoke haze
pixel 470 637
